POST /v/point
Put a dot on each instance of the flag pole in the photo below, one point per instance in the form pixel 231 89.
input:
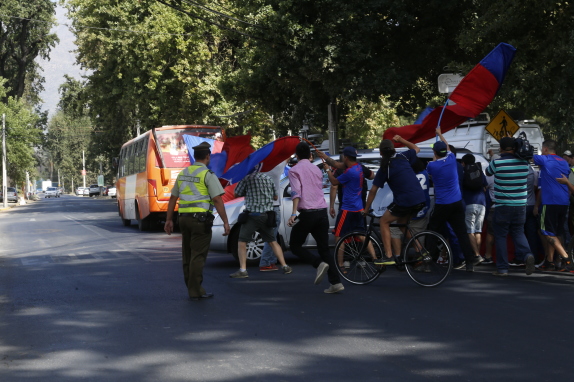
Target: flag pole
pixel 440 117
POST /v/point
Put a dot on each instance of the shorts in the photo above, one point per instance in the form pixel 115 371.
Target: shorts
pixel 400 211
pixel 256 223
pixel 474 217
pixel 348 221
pixel 415 225
pixel 552 219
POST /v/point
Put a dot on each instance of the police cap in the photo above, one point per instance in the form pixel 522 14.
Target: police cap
pixel 203 146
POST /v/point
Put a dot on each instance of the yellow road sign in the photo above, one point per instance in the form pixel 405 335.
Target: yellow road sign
pixel 502 125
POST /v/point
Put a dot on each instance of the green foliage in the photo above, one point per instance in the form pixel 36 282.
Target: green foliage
pixel 540 79
pixel 366 121
pixel 22 134
pixel 23 38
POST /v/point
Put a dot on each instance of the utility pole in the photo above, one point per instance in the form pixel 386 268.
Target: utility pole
pixel 4 176
pixel 332 126
pixel 59 184
pixel 84 168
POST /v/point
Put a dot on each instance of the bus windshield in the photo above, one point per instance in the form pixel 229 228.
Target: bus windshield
pixel 173 146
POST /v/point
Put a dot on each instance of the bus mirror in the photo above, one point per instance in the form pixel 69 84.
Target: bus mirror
pixel 115 162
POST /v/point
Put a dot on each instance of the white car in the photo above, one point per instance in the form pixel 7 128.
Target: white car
pixel 80 191
pixel 52 192
pixel 234 207
pixel 112 191
pixel 86 191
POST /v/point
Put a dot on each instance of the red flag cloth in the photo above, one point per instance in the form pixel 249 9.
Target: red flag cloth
pixel 238 148
pixel 472 95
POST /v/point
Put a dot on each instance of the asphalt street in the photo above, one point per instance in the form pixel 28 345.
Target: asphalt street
pixel 83 298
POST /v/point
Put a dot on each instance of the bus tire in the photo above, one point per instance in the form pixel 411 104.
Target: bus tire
pixel 143 224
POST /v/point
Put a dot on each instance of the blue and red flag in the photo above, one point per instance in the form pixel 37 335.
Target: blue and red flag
pixel 472 95
pixel 267 158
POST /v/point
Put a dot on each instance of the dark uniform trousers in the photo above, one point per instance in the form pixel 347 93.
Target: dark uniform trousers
pixel 194 247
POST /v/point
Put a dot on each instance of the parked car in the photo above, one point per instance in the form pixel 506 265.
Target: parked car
pixel 234 207
pixel 112 191
pixel 80 191
pixel 94 190
pixel 86 191
pixel 12 194
pixel 52 192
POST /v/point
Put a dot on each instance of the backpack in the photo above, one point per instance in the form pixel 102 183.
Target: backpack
pixel 472 177
pixel 522 148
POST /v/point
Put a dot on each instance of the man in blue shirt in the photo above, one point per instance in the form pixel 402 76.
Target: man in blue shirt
pixel 555 201
pixel 510 196
pixel 448 198
pixel 408 196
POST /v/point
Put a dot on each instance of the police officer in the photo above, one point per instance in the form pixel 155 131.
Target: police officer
pixel 198 191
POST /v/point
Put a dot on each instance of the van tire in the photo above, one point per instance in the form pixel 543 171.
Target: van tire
pixel 143 224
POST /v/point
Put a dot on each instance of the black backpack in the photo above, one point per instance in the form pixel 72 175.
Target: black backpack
pixel 472 177
pixel 522 148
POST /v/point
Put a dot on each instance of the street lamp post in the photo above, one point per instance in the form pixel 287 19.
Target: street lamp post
pixel 4 176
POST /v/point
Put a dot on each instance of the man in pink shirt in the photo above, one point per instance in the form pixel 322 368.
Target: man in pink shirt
pixel 306 182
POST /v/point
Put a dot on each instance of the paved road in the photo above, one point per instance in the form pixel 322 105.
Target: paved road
pixel 84 298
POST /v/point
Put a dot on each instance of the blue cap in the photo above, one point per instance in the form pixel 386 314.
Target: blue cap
pixel 439 147
pixel 350 151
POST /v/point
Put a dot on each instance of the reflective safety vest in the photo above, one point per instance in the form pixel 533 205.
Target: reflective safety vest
pixel 193 193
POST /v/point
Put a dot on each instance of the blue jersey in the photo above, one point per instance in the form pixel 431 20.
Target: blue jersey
pixel 352 183
pixel 552 167
pixel 402 179
pixel 444 172
pixel 423 178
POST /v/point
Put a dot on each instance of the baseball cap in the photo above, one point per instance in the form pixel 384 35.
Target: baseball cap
pixel 350 151
pixel 439 147
pixel 507 143
pixel 567 153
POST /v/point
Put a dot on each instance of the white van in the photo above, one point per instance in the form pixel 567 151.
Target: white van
pixel 472 135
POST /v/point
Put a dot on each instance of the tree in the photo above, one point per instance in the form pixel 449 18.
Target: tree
pixel 22 134
pixel 24 35
pixel 539 81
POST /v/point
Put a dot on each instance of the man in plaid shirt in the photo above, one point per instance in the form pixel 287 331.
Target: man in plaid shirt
pixel 259 191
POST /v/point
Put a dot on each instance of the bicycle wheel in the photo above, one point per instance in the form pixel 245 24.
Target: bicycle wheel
pixel 427 258
pixel 355 261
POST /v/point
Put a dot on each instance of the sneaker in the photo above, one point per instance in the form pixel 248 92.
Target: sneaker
pixel 335 288
pixel 487 260
pixel 477 260
pixel 386 261
pixel 529 264
pixel 286 269
pixel 346 265
pixel 268 268
pixel 565 266
pixel 460 265
pixel 497 273
pixel 516 263
pixel 423 267
pixel 548 267
pixel 321 270
pixel 239 275
pixel 541 264
pixel 442 260
pixel 362 263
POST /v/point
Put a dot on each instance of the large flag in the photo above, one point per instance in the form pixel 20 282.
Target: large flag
pixel 472 95
pixel 192 141
pixel 267 158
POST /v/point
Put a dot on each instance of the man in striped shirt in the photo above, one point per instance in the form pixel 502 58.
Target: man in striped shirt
pixel 510 194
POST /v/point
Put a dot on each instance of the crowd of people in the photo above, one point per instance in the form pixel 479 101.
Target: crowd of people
pixel 526 200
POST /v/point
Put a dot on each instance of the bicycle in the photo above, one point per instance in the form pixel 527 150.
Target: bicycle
pixel 425 255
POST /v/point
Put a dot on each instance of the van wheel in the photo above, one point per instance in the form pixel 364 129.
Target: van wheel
pixel 125 222
pixel 254 246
